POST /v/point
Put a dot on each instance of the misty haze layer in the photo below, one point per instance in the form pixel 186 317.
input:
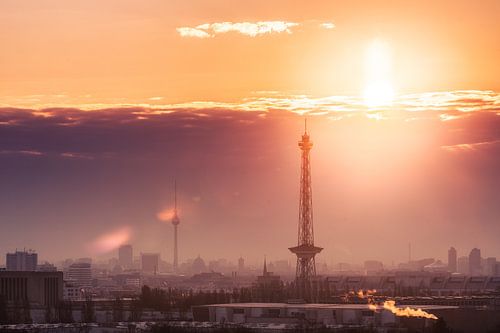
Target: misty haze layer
pixel 379 181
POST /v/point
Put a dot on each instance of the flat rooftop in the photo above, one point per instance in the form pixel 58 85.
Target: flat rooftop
pixel 325 306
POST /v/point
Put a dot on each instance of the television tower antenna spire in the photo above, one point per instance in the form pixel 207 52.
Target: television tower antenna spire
pixel 305 249
pixel 175 222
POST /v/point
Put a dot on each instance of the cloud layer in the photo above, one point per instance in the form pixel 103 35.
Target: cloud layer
pixel 251 29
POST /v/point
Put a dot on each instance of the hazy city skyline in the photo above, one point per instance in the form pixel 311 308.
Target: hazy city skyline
pixel 236 166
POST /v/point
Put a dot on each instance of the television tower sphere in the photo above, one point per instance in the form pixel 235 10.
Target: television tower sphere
pixel 175 218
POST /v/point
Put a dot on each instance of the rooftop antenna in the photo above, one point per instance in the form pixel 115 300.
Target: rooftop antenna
pixel 305 125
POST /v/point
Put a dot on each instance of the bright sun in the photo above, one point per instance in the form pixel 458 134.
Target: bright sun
pixel 378 90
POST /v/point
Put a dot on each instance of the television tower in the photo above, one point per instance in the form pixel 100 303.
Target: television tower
pixel 175 222
pixel 305 249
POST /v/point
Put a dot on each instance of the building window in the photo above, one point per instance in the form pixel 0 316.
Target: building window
pixel 238 311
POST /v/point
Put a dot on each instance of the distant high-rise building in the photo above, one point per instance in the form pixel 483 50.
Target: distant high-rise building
pixel 80 275
pixel 452 260
pixel 490 266
pixel 84 260
pixel 46 267
pixel 241 264
pixel 22 261
pixel 475 262
pixel 150 262
pixel 463 265
pixel 125 256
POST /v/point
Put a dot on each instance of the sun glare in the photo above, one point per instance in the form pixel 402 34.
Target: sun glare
pixel 378 90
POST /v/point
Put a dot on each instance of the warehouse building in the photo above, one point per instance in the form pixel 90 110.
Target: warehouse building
pixel 284 313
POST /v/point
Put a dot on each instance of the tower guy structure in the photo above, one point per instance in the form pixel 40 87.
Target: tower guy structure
pixel 175 222
pixel 305 249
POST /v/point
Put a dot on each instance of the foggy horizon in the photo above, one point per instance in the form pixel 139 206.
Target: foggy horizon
pixel 372 179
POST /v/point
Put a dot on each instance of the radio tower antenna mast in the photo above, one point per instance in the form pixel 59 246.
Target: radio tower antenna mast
pixel 175 222
pixel 305 249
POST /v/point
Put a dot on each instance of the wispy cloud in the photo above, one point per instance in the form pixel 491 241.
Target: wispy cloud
pixel 251 29
pixel 76 156
pixel 192 32
pixel 327 25
pixel 469 147
pixel 22 152
pixel 445 106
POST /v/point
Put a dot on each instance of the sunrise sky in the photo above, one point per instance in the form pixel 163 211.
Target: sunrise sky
pixel 104 103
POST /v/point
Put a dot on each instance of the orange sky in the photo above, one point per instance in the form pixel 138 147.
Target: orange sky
pixel 79 52
pixel 169 82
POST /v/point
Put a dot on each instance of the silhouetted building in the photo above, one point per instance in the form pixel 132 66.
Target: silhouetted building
pixel 22 261
pixel 125 256
pixel 267 278
pixel 198 265
pixel 463 265
pixel 475 262
pixel 131 279
pixel 40 289
pixel 452 260
pixel 416 265
pixel 150 263
pixel 268 286
pixel 285 317
pixel 46 267
pixel 490 266
pixel 72 292
pixel 436 266
pixel 85 260
pixel 207 277
pixel 80 275
pixel 241 265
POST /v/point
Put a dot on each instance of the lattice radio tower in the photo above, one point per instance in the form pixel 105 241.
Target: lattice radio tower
pixel 305 249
